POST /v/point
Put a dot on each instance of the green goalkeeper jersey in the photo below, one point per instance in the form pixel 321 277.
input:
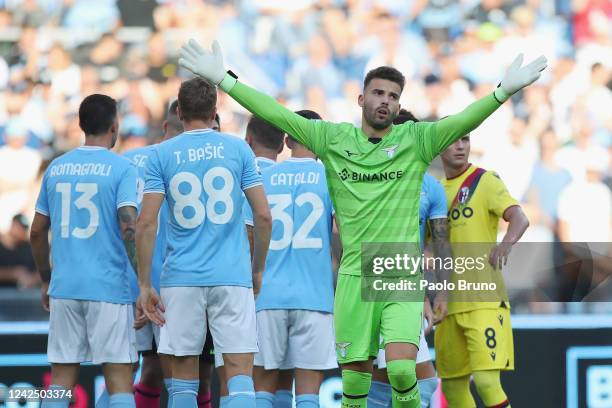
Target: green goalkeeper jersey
pixel 375 188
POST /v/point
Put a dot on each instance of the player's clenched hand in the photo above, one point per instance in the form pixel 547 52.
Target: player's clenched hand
pixel 152 305
pixel 499 255
pixel 518 77
pixel 44 289
pixel 208 65
pixel 140 319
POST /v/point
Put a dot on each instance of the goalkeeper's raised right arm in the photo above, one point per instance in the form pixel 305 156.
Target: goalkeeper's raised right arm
pixel 310 133
pixel 209 65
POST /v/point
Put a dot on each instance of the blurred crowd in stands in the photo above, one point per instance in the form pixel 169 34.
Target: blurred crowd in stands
pixel 551 145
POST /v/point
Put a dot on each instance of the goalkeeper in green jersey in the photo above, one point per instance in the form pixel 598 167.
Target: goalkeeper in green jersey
pixel 374 175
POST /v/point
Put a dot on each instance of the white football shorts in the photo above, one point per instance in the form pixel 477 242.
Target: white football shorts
pixel 230 311
pixel 295 339
pixel 83 330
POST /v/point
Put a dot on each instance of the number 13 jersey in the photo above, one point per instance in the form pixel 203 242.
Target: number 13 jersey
pixel 80 193
pixel 202 174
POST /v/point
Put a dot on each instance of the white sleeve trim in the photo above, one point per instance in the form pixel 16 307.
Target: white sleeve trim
pixel 127 204
pixel 259 183
pixel 435 217
pixel 250 223
pixel 154 192
pixel 43 212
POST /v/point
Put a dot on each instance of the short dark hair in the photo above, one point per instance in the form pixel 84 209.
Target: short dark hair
pixel 308 114
pixel 172 118
pixel 265 134
pixel 97 113
pixel 384 72
pixel 404 116
pixel 173 108
pixel 197 98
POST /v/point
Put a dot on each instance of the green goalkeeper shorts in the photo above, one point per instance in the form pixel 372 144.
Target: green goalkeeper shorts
pixel 360 325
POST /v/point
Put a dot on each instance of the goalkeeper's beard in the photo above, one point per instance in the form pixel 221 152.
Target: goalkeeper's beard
pixel 370 118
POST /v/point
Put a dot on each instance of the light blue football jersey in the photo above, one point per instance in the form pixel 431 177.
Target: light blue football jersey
pixel 432 204
pixel 262 163
pixel 139 157
pixel 203 174
pixel 298 271
pixel 80 193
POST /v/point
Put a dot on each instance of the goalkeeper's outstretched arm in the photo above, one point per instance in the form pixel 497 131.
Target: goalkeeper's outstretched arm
pixel 209 65
pixel 437 136
pixel 267 108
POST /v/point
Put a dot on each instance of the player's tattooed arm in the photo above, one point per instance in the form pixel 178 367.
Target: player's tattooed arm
pixel 39 239
pixel 127 223
pixel 442 250
pixel 441 245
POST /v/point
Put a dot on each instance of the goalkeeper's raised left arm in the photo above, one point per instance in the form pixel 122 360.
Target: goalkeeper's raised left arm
pixel 437 136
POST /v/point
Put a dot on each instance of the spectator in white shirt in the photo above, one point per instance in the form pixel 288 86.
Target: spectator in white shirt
pixel 585 205
pixel 18 169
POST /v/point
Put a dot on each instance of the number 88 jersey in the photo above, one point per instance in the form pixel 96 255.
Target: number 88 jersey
pixel 203 174
pixel 298 271
pixel 80 193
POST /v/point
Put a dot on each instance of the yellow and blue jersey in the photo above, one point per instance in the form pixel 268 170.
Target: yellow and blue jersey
pixel 473 213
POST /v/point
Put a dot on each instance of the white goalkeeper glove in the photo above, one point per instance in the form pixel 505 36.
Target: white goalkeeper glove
pixel 518 77
pixel 208 65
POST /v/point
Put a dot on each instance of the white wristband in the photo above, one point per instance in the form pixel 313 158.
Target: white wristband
pixel 501 95
pixel 227 83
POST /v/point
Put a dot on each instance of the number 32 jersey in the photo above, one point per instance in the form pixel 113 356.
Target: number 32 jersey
pixel 80 193
pixel 298 271
pixel 203 174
